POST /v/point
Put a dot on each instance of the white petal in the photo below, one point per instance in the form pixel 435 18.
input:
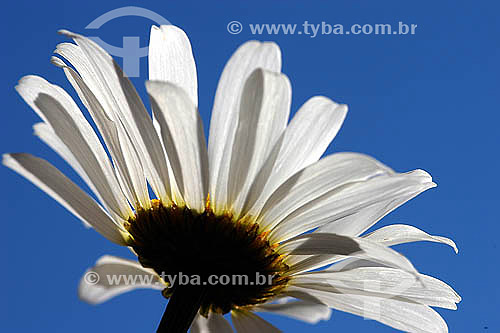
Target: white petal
pixel 244 61
pixel 171 59
pixel 68 194
pixel 112 276
pixel 357 223
pixel 129 170
pixel 302 263
pixel 183 139
pixel 399 314
pixel 121 102
pixel 59 110
pixel 215 323
pixel 248 322
pixel 50 138
pixel 385 282
pixel 402 233
pixel 47 135
pixel 388 236
pixel 351 199
pixel 325 177
pixel 304 141
pixel 307 311
pixel 264 111
pixel 316 244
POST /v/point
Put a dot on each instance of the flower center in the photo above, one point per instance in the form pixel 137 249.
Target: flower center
pixel 230 262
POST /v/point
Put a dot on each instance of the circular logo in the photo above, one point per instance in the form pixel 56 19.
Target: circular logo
pixel 234 27
pixel 91 277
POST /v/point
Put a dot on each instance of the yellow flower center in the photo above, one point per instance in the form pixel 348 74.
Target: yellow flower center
pixel 226 263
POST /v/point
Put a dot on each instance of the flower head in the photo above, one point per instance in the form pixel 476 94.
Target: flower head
pixel 258 202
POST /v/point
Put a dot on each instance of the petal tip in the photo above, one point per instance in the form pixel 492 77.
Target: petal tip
pixel 67 33
pixel 57 62
pixel 7 159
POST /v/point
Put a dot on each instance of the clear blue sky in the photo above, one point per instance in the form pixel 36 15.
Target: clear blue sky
pixel 428 101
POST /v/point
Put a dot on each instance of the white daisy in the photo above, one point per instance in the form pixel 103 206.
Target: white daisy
pixel 245 205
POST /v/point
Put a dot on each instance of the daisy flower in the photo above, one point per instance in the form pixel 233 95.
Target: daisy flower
pixel 258 200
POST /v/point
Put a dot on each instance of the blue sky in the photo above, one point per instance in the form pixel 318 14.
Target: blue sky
pixel 428 100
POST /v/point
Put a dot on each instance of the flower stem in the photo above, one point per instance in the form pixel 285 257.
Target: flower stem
pixel 181 309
